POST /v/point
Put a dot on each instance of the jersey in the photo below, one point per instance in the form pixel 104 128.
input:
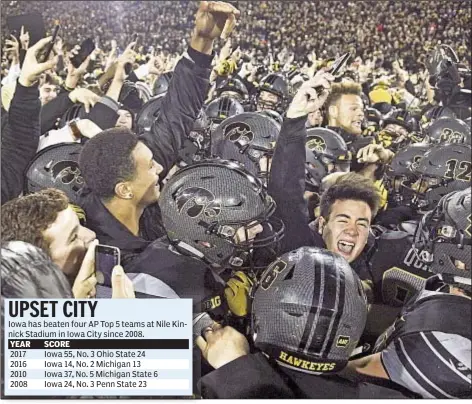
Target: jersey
pixel 397 271
pixel 428 349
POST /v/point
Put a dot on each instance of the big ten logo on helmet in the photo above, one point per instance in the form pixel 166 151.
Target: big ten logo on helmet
pixel 239 132
pixel 194 201
pixel 271 274
pixel 304 364
pixel 416 259
pixel 449 136
pixel 67 172
pixel 316 143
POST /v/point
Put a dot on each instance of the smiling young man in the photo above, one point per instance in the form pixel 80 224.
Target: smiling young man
pixel 348 206
pixel 347 209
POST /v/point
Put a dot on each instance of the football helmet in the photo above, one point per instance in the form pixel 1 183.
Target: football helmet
pixel 309 311
pixel 148 114
pixel 443 169
pixel 56 166
pixel 447 130
pixel 234 88
pixel 161 85
pixel 278 85
pixel 197 145
pixel 222 108
pixel 326 153
pixel 400 171
pixel 211 210
pixel 253 137
pixel 443 236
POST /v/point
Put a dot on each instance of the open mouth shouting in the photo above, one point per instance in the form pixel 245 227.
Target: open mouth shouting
pixel 345 247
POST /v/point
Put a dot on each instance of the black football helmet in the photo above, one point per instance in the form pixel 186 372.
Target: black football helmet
pixel 326 153
pixel 400 171
pixel 278 85
pixel 206 206
pixel 309 311
pixel 468 122
pixel 396 127
pixel 161 85
pixel 447 130
pixel 443 236
pixel 435 113
pixel 372 119
pixel 253 137
pixel 273 115
pixel 148 114
pixel 56 166
pixel 234 88
pixel 197 145
pixel 443 169
pixel 222 108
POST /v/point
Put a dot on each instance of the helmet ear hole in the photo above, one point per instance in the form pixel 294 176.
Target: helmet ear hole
pixel 290 273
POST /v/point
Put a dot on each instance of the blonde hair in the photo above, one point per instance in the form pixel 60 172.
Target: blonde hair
pixel 340 89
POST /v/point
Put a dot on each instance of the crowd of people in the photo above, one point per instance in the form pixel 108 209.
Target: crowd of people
pixel 301 170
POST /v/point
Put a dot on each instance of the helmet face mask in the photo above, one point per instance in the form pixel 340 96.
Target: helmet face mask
pixel 273 94
pixel 209 205
pixel 326 153
pixel 250 138
pixel 443 235
pixel 56 166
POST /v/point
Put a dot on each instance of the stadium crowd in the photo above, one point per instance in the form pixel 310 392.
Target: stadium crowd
pixel 301 170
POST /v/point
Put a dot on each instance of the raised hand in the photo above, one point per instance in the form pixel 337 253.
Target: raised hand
pixel 215 19
pixel 13 48
pixel 32 69
pixel 307 99
pixel 24 38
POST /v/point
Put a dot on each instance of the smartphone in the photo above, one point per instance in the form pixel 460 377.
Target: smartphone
pixel 339 64
pixel 86 48
pixel 106 258
pixel 51 45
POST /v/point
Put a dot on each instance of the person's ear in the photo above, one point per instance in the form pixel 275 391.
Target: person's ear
pixel 333 112
pixel 321 224
pixel 123 190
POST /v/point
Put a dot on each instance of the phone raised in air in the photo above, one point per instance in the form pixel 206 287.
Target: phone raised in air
pixel 86 48
pixel 106 258
pixel 51 44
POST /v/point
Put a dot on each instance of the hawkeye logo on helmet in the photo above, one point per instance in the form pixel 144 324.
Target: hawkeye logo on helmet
pixel 194 201
pixel 342 341
pixel 316 143
pixel 67 172
pixel 272 272
pixel 239 132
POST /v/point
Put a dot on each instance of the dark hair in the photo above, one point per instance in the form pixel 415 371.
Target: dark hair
pixel 107 160
pixel 27 217
pixel 351 186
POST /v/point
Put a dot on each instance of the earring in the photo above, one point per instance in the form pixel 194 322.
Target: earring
pixel 130 196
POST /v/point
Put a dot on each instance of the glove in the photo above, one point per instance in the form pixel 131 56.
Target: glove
pixel 237 292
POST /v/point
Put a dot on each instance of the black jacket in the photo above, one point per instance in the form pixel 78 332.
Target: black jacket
pixel 103 113
pixel 185 276
pixel 287 187
pixel 20 139
pixel 254 376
